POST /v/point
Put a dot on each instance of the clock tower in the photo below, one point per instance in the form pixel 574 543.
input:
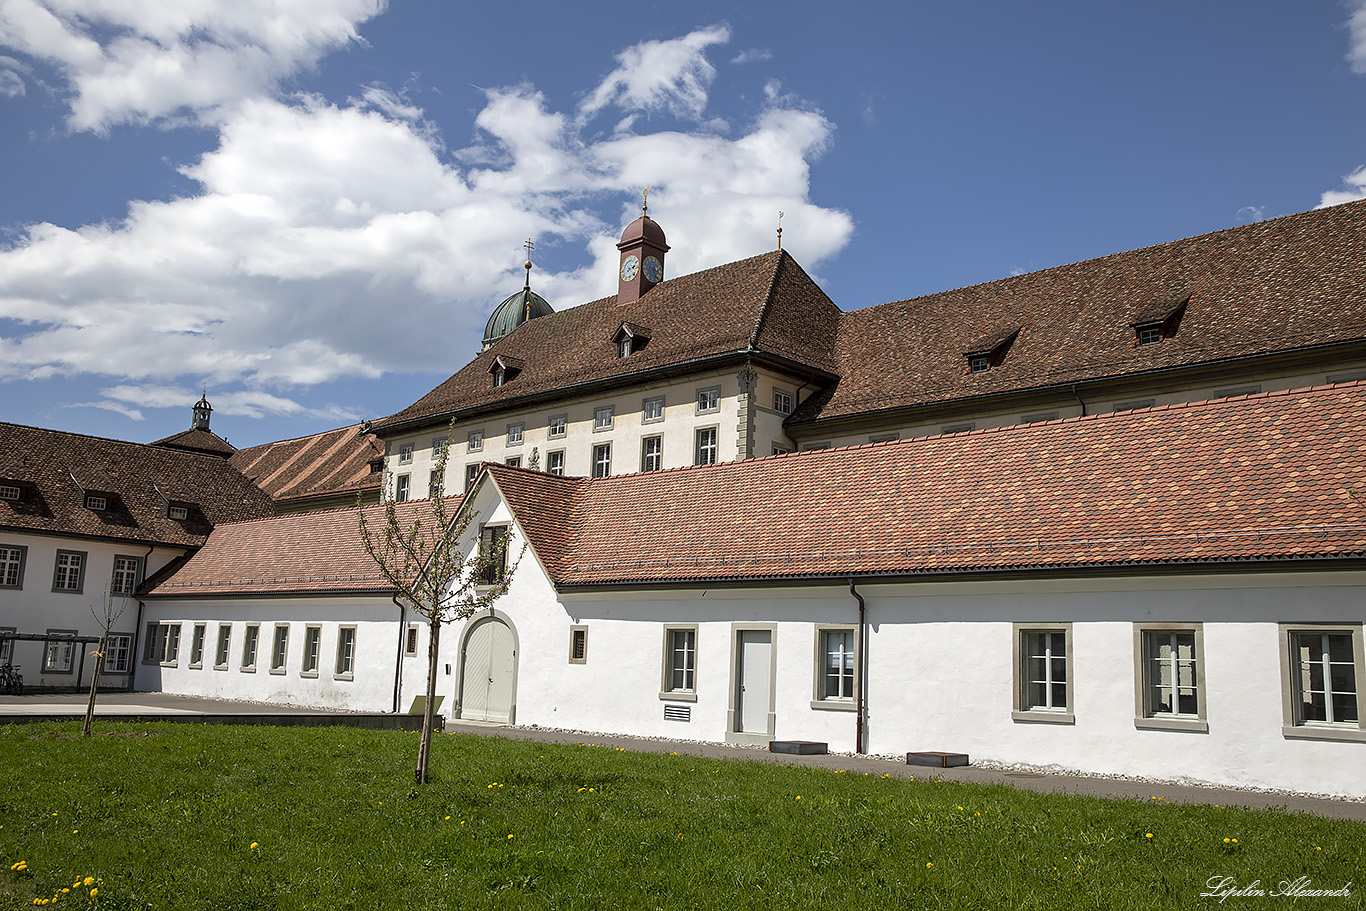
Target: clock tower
pixel 642 249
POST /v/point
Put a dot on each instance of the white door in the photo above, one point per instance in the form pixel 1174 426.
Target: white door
pixel 488 672
pixel 756 674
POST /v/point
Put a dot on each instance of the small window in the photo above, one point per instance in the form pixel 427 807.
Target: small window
pixel 179 513
pixel 1322 670
pixel 346 652
pixel 1170 691
pixel 197 645
pixel 557 426
pixel 602 460
pixel 472 474
pixel 410 641
pixel 127 571
pixel 163 644
pixel 97 503
pixel 1150 334
pixel 979 363
pixel 313 640
pixel 405 454
pixel 500 375
pixel 249 646
pixel 680 662
pixel 69 575
pixel 8 492
pixel 652 454
pixel 515 434
pixel 624 346
pixel 652 409
pixel 1041 416
pixel 835 648
pixel 475 441
pixel 884 437
pixel 960 428
pixel 12 566
pixel 578 645
pixel 118 653
pixel 493 554
pixel 439 445
pixel 778 449
pixel 402 488
pixel 706 446
pixel 782 401
pixel 513 461
pixel 279 648
pixel 1135 405
pixel 708 399
pixel 221 653
pixel 603 416
pixel 435 481
pixel 59 651
pixel 7 645
pixel 1043 674
pixel 554 462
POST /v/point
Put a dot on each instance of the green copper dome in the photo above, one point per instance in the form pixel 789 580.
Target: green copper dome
pixel 511 313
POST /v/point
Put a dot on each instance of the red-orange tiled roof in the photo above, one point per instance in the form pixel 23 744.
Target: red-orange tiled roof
pixel 198 441
pixel 1261 478
pixel 321 464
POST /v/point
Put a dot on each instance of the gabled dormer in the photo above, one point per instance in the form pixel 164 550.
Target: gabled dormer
pixel 98 491
pixel 988 353
pixel 630 338
pixel 1158 322
pixel 504 369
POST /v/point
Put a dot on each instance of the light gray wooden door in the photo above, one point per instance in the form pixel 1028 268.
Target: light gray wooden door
pixel 488 672
pixel 756 675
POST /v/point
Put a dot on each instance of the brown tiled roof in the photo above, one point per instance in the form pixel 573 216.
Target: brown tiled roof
pixel 1287 283
pixel 302 553
pixel 765 304
pixel 323 464
pixel 198 441
pixel 137 478
pixel 1233 481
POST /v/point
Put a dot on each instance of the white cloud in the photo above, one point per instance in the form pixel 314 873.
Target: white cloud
pixel 1356 32
pixel 141 61
pixel 670 76
pixel 331 241
pixel 1356 189
pixel 11 77
pixel 752 55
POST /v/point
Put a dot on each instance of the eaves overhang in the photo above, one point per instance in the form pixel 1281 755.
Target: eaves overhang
pixel 111 539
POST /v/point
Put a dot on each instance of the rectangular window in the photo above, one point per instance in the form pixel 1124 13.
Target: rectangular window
pixel 652 409
pixel 279 649
pixel 1043 674
pixel 249 645
pixel 554 462
pixel 313 640
pixel 435 481
pixel 557 426
pixel 69 575
pixel 95 502
pixel 12 566
pixel 837 649
pixel 171 653
pixel 410 641
pixel 8 492
pixel 782 401
pixel 602 417
pixel 1168 663
pixel 346 652
pixel 472 474
pixel 402 489
pixel 578 645
pixel 220 655
pixel 126 573
pixel 118 653
pixel 1322 670
pixel 163 644
pixel 779 449
pixel 602 460
pixel 652 454
pixel 405 454
pixel 197 646
pixel 439 446
pixel 180 513
pixel 59 651
pixel 513 461
pixel 7 645
pixel 705 453
pixel 475 441
pixel 680 662
pixel 493 554
pixel 708 399
pixel 515 434
pixel 1150 334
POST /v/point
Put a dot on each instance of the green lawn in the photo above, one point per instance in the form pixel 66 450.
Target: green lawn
pixel 182 816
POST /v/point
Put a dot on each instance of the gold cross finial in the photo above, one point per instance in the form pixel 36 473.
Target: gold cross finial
pixel 645 202
pixel 780 230
pixel 529 247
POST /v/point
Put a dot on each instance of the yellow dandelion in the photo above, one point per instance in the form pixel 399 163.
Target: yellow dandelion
pixel 448 817
pixel 75 831
pixel 1226 841
pixel 960 808
pixel 927 866
pixel 94 892
pixel 254 846
pixel 799 797
pixel 88 881
pixel 1235 841
pixel 509 838
pixel 1317 848
pixel 1148 835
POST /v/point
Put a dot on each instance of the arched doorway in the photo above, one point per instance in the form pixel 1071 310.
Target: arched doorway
pixel 488 671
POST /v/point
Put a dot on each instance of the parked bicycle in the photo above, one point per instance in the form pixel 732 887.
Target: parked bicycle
pixel 11 681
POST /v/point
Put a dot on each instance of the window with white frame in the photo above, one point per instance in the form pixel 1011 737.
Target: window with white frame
pixel 118 653
pixel 12 566
pixel 782 401
pixel 680 662
pixel 435 481
pixel 493 554
pixel 472 474
pixel 197 645
pixel 9 492
pixel 403 488
pixel 602 460
pixel 439 445
pixel 96 502
pixel 1043 673
pixel 126 573
pixel 513 461
pixel 179 513
pixel 250 642
pixel 279 649
pixel 221 653
pixel 405 454
pixel 59 651
pixel 652 409
pixel 515 434
pixel 162 645
pixel 705 452
pixel 836 647
pixel 313 641
pixel 475 441
pixel 603 416
pixel 652 454
pixel 346 652
pixel 69 574
pixel 557 426
pixel 1322 671
pixel 554 462
pixel 1169 661
pixel 708 399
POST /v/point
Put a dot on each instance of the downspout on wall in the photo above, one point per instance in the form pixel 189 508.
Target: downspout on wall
pixel 859 664
pixel 398 659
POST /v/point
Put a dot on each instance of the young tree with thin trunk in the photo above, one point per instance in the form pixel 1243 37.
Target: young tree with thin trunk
pixel 111 608
pixel 418 548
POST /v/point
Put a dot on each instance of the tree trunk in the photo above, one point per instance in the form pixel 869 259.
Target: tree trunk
pixel 94 685
pixel 424 751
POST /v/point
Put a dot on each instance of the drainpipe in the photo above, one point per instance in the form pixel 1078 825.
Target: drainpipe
pixel 133 661
pixel 1079 401
pixel 858 668
pixel 398 659
pixel 796 401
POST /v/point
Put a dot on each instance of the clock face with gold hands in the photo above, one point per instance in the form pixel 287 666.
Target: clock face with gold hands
pixel 629 267
pixel 654 269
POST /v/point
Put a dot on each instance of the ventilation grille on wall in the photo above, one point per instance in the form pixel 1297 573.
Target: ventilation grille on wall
pixel 678 713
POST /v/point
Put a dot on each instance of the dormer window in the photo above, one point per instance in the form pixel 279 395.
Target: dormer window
pixel 990 351
pixel 504 369
pixel 1158 322
pixel 9 492
pixel 979 363
pixel 179 513
pixel 1150 334
pixel 97 503
pixel 630 338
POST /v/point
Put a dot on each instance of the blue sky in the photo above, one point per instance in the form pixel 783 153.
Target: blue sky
pixel 309 207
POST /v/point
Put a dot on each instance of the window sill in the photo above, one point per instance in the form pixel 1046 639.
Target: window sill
pixel 1194 725
pixel 220 667
pixel 277 670
pixel 1315 732
pixel 343 677
pixel 248 670
pixel 169 663
pixel 677 696
pixel 834 705
pixel 652 420
pixel 194 666
pixel 603 429
pixel 312 675
pixel 1044 717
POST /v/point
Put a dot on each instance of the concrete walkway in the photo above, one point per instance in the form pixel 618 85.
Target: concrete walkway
pixel 151 706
